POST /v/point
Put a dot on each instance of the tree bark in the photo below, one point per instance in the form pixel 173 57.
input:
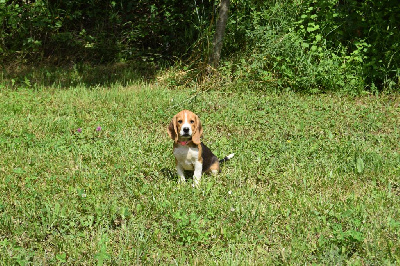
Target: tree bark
pixel 219 34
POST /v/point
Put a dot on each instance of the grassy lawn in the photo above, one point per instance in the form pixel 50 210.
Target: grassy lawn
pixel 315 179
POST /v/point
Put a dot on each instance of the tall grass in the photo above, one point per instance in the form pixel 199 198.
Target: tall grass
pixel 86 75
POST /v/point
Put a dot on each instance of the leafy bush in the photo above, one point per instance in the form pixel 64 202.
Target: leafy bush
pixel 99 31
pixel 287 61
pixel 368 30
pixel 321 45
pixel 24 27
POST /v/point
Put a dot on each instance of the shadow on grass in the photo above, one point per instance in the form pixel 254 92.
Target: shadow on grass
pixel 17 76
pixel 172 175
pixel 169 174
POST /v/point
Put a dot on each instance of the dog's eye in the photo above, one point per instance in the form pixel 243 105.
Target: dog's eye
pixel 191 121
pixel 180 121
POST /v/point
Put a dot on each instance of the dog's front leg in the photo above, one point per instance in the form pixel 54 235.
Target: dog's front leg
pixel 181 173
pixel 198 167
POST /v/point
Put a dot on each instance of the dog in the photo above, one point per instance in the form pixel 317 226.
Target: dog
pixel 190 153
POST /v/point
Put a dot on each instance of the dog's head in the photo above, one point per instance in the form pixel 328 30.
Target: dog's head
pixel 185 126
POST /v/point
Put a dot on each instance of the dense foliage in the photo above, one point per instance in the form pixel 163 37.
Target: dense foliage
pixel 322 45
pixel 310 45
pixel 99 31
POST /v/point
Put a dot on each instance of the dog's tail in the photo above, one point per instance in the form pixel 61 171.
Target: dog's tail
pixel 227 158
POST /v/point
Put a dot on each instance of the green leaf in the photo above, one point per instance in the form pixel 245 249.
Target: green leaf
pixel 62 257
pixel 330 135
pixel 18 170
pixel 312 27
pixel 360 165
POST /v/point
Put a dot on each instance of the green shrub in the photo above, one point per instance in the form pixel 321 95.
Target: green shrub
pixel 99 31
pixel 368 30
pixel 319 46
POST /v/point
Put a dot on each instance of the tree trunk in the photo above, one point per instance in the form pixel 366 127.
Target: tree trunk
pixel 219 34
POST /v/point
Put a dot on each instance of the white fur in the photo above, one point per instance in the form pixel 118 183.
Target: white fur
pixel 187 125
pixel 181 173
pixel 230 156
pixel 187 158
pixel 198 167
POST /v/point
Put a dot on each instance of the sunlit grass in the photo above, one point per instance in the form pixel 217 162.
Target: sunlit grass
pixel 82 178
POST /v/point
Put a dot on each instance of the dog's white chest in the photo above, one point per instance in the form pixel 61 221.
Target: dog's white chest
pixel 186 156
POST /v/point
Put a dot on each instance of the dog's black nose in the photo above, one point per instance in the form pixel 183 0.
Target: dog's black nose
pixel 186 130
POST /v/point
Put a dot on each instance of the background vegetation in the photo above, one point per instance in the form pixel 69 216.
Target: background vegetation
pixel 314 46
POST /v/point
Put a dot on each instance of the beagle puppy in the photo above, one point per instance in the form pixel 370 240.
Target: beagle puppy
pixel 190 153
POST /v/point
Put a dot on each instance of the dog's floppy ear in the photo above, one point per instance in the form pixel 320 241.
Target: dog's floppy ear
pixel 198 133
pixel 172 130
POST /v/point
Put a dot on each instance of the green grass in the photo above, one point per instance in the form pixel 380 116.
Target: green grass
pixel 315 178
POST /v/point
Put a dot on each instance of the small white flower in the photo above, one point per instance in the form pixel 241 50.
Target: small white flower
pixel 232 209
pixel 83 195
pixel 230 192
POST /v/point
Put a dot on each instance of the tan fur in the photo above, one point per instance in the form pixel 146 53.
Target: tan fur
pixel 172 130
pixel 198 129
pixel 200 152
pixel 214 168
pixel 177 122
